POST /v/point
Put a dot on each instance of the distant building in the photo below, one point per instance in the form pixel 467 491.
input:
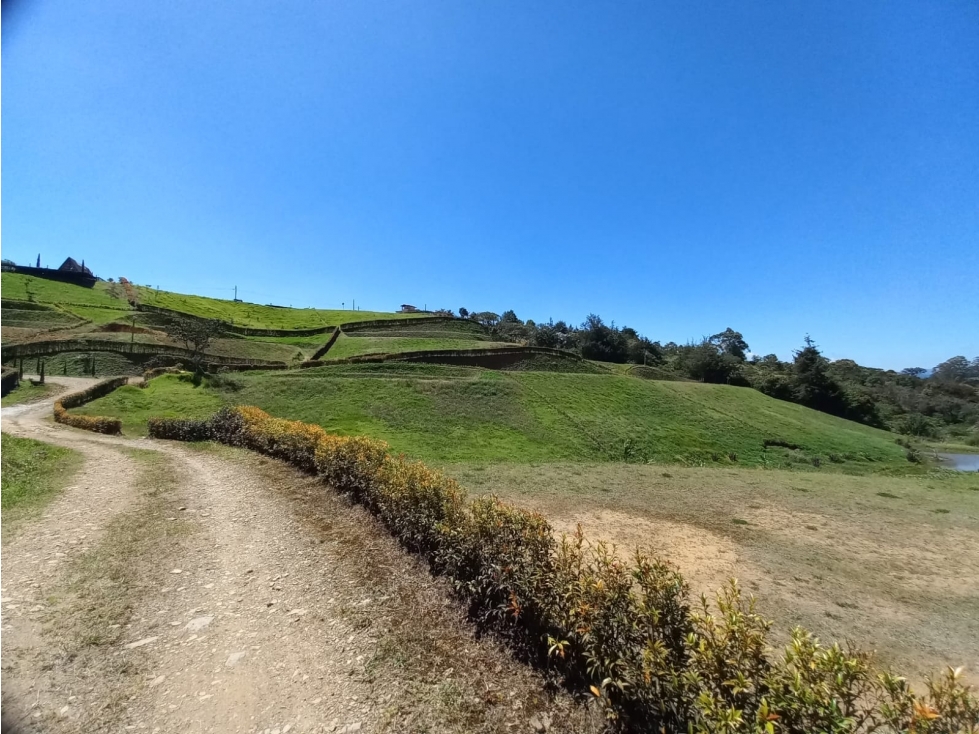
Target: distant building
pixel 69 272
pixel 408 308
pixel 71 266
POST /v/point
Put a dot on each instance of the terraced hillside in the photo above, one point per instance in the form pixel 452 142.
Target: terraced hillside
pixel 422 335
pixel 77 329
pixel 255 315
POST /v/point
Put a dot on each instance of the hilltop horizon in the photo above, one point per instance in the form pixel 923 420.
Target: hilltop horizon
pixel 269 298
pixel 779 169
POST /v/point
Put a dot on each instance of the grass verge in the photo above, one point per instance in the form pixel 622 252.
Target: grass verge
pixel 167 396
pixel 90 608
pixel 434 676
pixel 33 474
pixel 27 392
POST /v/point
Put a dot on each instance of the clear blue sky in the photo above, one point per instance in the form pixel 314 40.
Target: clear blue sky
pixel 777 167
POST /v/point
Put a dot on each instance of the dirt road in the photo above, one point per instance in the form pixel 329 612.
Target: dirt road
pixel 171 588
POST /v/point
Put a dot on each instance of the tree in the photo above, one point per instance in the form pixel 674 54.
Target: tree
pixel 814 387
pixel 706 362
pixel 463 313
pixel 602 343
pixel 509 317
pixel 731 342
pixel 643 351
pixel 486 318
pixel 196 336
pixel 956 369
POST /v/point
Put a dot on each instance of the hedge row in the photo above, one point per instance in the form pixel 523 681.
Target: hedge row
pixel 47 347
pixel 623 633
pixel 397 323
pixel 318 354
pixel 232 328
pixel 491 357
pixel 9 380
pixel 98 424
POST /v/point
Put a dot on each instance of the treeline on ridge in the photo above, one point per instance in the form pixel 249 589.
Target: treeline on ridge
pixel 942 404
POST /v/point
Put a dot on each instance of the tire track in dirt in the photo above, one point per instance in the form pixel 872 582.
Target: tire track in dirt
pixel 260 618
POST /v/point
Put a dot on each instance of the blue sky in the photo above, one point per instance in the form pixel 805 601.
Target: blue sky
pixel 782 168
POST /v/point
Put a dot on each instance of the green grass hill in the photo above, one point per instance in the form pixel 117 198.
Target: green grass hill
pixel 458 414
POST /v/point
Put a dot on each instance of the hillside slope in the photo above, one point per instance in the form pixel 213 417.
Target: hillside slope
pixel 449 414
pixel 107 295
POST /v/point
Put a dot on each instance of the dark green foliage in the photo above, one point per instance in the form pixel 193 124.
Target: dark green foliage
pixel 180 429
pixel 601 342
pixel 957 369
pixel 730 343
pixel 708 363
pixel 196 336
pixel 486 318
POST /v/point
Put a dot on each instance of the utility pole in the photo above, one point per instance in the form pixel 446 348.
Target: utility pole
pixel 236 293
pixel 355 305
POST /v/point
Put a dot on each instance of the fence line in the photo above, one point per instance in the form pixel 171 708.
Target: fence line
pixel 59 346
pixel 318 354
pixel 497 356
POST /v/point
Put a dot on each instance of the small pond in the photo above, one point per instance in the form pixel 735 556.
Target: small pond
pixel 961 462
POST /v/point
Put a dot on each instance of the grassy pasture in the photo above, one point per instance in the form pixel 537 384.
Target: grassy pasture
pixel 26 392
pixel 255 315
pixel 41 290
pixel 38 319
pixel 457 329
pixel 78 364
pixel 889 562
pixel 167 396
pixel 449 414
pixel 353 345
pixel 100 316
pixel 33 474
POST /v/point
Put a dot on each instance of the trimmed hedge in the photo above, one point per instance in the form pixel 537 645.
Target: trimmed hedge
pixel 395 323
pixel 98 424
pixel 9 380
pixel 623 633
pixel 129 349
pixel 491 358
pixel 318 354
pixel 233 329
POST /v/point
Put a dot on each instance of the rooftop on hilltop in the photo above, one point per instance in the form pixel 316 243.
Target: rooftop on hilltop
pixel 71 266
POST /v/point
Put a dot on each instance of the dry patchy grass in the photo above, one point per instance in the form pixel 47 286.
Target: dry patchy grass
pixel 891 563
pixel 428 672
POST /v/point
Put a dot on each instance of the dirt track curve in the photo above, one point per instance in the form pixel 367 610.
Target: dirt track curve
pixel 235 608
